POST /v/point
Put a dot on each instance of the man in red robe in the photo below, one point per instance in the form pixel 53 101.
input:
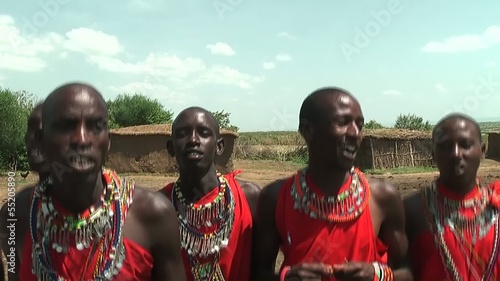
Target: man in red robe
pixel 79 223
pixel 330 222
pixel 453 225
pixel 35 157
pixel 215 211
pixel 36 163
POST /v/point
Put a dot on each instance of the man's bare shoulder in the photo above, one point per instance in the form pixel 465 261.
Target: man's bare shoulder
pixel 151 206
pixel 384 192
pixel 251 190
pixel 270 192
pixel 413 205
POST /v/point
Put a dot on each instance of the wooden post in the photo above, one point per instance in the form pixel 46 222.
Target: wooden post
pixel 411 154
pixel 395 163
pixel 372 154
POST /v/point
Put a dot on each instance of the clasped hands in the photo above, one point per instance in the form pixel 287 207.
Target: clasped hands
pixel 349 271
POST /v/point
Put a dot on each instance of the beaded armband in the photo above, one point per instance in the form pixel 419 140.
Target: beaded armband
pixel 382 272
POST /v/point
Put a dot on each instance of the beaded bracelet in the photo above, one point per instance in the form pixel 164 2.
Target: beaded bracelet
pixel 283 273
pixel 382 272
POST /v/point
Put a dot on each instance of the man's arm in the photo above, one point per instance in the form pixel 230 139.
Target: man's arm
pixel 252 193
pixel 266 240
pixel 393 229
pixel 164 233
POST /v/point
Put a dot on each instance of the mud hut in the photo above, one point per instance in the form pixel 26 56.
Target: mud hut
pixel 392 148
pixel 142 149
pixel 493 146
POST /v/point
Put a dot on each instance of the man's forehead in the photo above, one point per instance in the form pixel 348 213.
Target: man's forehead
pixel 452 129
pixel 194 117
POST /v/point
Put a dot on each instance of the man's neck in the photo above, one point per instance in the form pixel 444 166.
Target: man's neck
pixel 195 185
pixel 78 193
pixel 328 180
pixel 458 186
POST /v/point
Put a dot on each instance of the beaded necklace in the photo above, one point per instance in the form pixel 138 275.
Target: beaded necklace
pixel 346 206
pixel 205 229
pixel 443 212
pixel 100 226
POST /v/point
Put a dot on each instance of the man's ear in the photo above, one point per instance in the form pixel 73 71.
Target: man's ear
pixel 221 145
pixel 170 147
pixel 306 130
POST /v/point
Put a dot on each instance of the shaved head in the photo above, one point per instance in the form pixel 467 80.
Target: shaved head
pixel 438 131
pixel 57 98
pixel 315 110
pixel 190 111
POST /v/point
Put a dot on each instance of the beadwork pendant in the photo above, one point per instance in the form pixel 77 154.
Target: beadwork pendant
pixel 205 230
pixel 443 212
pixel 102 225
pixel 346 206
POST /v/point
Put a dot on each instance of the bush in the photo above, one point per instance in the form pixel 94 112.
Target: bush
pixel 15 108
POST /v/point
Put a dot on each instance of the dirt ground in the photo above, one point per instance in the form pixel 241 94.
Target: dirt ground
pixel 265 172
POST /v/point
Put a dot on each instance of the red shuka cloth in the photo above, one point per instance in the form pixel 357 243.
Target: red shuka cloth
pixel 307 240
pixel 426 257
pixel 137 265
pixel 235 258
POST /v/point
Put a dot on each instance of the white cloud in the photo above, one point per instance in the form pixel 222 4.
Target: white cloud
pixel 286 35
pixel 159 64
pixel 90 41
pixel 225 75
pixel 466 43
pixel 155 90
pixel 268 65
pixel 283 57
pixel 391 93
pixel 441 88
pixel 108 54
pixel 23 53
pixel 221 48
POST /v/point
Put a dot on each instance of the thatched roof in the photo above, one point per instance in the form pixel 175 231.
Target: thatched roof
pixel 396 134
pixel 492 133
pixel 161 129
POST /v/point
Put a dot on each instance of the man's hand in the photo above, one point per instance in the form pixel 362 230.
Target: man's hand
pixel 354 271
pixel 309 271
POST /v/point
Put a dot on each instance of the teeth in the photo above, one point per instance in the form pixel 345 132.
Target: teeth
pixel 350 148
pixel 80 162
pixel 36 155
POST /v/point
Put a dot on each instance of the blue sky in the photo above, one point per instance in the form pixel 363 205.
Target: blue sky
pixel 259 59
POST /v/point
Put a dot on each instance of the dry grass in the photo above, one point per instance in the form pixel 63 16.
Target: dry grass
pixel 270 152
pixel 160 129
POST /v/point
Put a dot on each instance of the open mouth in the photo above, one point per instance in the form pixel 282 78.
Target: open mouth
pixel 350 151
pixel 193 154
pixel 80 163
pixel 36 155
pixel 459 169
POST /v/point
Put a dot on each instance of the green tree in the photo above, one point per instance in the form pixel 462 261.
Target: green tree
pixel 412 122
pixel 132 110
pixel 224 122
pixel 372 124
pixel 15 108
